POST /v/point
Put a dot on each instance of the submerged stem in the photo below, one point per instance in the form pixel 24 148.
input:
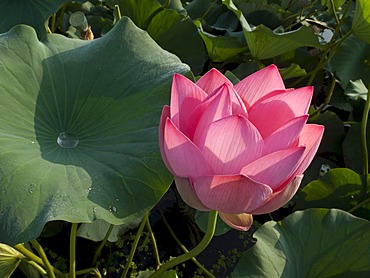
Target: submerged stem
pixel 102 244
pixel 364 142
pixel 155 248
pixel 72 251
pixel 40 250
pixel 134 246
pixel 198 264
pixel 212 220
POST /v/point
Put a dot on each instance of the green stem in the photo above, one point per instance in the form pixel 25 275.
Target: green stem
pixel 334 12
pixel 20 247
pixel 364 142
pixel 72 251
pixel 134 246
pixel 198 264
pixel 118 11
pixel 356 207
pixel 212 219
pixel 36 266
pixel 155 248
pixel 102 244
pixel 52 24
pixel 327 99
pixel 44 258
pixel 89 271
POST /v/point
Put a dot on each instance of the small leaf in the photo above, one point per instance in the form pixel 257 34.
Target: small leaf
pixel 97 230
pixel 311 243
pixel 263 43
pixel 361 21
pixel 339 188
pixel 201 218
pixel 221 48
pixel 356 89
pixel 9 260
pixel 31 12
pixel 167 274
pixel 293 71
pixel 173 31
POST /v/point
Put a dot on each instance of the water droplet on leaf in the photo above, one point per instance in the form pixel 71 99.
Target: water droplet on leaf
pixel 67 140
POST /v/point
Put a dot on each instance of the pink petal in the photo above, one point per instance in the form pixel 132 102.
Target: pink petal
pixel 216 106
pixel 259 84
pixel 286 136
pixel 229 144
pixel 241 222
pixel 310 138
pixel 211 80
pixel 185 96
pixel 271 113
pixel 275 168
pixel 279 199
pixel 187 193
pixel 231 194
pixel 182 155
pixel 164 116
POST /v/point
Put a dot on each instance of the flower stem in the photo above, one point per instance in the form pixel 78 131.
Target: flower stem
pixel 72 251
pixel 328 97
pixel 155 248
pixel 364 142
pixel 44 258
pixel 212 220
pixel 134 246
pixel 198 264
pixel 359 205
pixel 102 244
pixel 37 260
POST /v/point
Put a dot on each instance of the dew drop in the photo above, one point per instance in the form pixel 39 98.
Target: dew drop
pixel 67 140
pixel 112 208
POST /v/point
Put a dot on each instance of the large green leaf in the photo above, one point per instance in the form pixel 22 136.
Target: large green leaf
pixel 339 188
pixel 352 61
pixel 311 243
pixel 78 128
pixel 361 21
pixel 30 12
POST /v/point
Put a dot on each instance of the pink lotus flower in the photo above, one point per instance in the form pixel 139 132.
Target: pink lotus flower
pixel 240 150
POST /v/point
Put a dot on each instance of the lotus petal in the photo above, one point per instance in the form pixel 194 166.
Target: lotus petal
pixel 241 221
pixel 232 194
pixel 275 168
pixel 211 80
pixel 279 199
pixel 310 138
pixel 229 144
pixel 185 96
pixel 271 113
pixel 259 84
pixel 187 193
pixel 185 158
pixel 286 136
pixel 215 107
